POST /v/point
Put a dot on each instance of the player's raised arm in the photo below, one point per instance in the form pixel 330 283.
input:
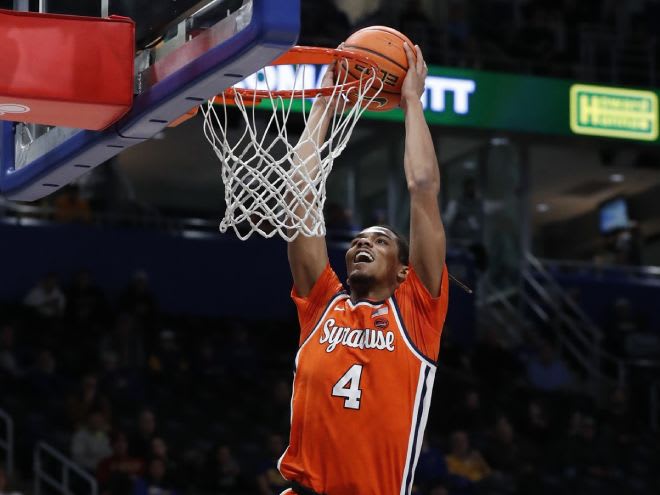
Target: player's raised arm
pixel 308 256
pixel 427 234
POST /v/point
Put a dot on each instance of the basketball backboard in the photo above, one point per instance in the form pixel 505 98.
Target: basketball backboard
pixel 186 52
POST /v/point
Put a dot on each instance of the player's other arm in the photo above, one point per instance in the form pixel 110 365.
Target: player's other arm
pixel 427 234
pixel 308 256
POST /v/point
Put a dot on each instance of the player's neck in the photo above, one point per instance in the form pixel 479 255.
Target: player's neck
pixel 369 293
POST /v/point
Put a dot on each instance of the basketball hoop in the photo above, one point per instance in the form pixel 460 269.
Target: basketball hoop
pixel 266 180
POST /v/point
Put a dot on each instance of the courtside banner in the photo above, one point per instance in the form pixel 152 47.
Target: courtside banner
pixel 510 102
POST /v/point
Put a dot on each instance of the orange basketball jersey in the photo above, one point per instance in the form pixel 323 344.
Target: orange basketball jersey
pixel 362 387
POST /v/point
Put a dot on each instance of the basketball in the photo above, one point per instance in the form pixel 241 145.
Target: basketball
pixel 384 46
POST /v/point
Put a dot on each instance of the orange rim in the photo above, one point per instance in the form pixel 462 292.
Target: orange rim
pixel 305 55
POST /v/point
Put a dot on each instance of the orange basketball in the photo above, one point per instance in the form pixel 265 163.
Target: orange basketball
pixel 384 46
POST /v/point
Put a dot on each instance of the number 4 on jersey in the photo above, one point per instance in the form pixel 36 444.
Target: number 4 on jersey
pixel 349 386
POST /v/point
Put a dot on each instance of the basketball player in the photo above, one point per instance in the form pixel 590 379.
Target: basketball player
pixel 366 363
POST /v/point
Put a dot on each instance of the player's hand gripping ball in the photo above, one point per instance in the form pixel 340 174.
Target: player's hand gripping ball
pixel 384 46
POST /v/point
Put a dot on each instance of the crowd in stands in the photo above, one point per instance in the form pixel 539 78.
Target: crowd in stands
pixel 534 36
pixel 151 403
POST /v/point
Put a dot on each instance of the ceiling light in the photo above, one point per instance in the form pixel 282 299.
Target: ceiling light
pixel 542 207
pixel 616 178
pixel 499 141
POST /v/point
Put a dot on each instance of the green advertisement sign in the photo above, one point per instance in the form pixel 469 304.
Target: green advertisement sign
pixel 494 101
pixel 537 105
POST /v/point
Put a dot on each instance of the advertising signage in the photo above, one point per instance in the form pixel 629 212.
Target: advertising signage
pixel 613 112
pixel 509 102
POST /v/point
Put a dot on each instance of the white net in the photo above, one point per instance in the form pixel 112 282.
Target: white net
pixel 274 182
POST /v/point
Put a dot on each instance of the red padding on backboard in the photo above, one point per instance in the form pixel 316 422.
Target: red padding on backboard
pixel 64 70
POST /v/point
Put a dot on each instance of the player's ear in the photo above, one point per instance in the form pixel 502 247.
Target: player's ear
pixel 402 273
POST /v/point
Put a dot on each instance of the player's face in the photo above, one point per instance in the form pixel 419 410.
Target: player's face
pixel 373 257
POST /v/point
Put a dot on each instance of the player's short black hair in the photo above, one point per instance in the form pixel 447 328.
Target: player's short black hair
pixel 401 242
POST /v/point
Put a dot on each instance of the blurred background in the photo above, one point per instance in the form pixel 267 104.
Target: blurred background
pixel 143 352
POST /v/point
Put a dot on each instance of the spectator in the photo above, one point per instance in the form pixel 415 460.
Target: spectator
pixel 278 416
pixel 439 490
pixel 464 220
pixel 339 221
pixel 87 399
pixel 364 13
pixel 618 420
pixel 223 473
pixel 547 372
pixel 623 320
pixel 108 189
pixel 156 482
pixel 5 486
pixel 536 426
pixel 469 414
pixel 46 298
pixel 495 365
pixel 461 42
pixel 590 464
pixel 431 466
pixel 628 246
pixel 85 301
pixel 168 361
pixel 45 385
pixel 90 443
pixel 323 24
pixel 627 333
pixel 464 215
pixel 122 386
pixel 9 359
pixel 501 13
pixel 505 452
pixel 138 300
pixel 125 342
pixel 282 393
pixel 415 24
pixel 535 42
pixel 269 479
pixel 140 442
pixel 159 450
pixel 117 473
pixel 241 355
pixel 71 207
pixel 511 458
pixel 208 370
pixel 464 461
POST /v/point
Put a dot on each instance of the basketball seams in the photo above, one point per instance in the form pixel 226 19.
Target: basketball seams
pixel 374 52
pixel 389 30
pixel 393 32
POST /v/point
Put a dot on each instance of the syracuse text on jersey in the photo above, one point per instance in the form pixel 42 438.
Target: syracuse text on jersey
pixel 361 338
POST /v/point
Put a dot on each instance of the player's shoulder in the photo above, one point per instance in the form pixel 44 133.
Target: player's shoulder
pixel 413 285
